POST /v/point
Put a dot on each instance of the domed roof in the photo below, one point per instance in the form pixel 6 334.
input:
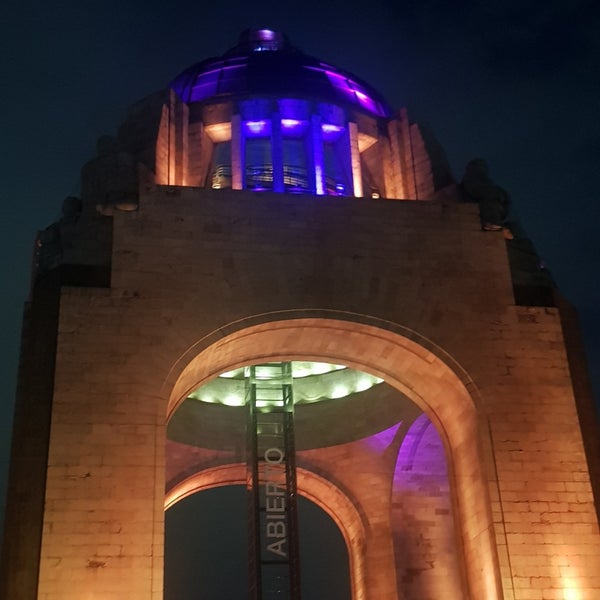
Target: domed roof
pixel 265 63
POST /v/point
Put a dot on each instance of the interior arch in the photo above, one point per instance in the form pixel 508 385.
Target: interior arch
pixel 413 365
pixel 310 485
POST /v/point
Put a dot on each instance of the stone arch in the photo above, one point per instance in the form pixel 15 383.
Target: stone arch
pixel 423 372
pixel 422 520
pixel 310 485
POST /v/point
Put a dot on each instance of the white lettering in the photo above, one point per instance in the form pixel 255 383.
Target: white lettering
pixel 276 529
pixel 277 548
pixel 274 455
pixel 273 488
pixel 275 504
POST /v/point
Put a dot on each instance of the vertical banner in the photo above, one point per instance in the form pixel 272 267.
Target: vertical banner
pixel 271 483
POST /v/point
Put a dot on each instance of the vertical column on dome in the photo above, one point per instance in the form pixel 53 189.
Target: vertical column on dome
pixel 277 152
pixel 422 168
pixel 355 160
pixel 394 173
pixel 161 148
pixel 178 116
pixel 198 155
pixel 408 159
pixel 171 144
pixel 317 155
pixel 237 153
pixel 383 144
pixel 183 154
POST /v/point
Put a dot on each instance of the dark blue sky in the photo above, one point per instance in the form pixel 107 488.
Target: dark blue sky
pixel 191 558
pixel 514 81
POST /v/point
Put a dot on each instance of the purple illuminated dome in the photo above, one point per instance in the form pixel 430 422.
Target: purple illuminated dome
pixel 264 63
pixel 271 118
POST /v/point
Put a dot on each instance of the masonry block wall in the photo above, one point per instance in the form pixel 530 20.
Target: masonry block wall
pixel 468 474
pixel 189 265
pixel 27 476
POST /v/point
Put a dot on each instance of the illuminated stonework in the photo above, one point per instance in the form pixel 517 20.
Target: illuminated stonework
pixel 266 117
pixel 313 382
pixel 222 228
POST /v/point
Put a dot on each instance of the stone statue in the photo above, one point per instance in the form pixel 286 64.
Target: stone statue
pixel 50 242
pixel 493 200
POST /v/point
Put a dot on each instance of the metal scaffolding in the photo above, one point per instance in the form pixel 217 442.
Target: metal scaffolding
pixel 271 483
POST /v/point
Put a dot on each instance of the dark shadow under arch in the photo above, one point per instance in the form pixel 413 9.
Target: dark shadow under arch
pixel 206 549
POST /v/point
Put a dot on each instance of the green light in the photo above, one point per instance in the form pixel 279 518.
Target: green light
pixel 233 400
pixel 339 391
pixel 313 382
pixel 232 374
pixel 364 384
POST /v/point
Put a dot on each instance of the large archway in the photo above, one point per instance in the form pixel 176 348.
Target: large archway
pixel 412 365
pixel 207 556
pixel 319 491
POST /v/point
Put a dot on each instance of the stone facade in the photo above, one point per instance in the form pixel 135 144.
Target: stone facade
pixel 203 281
pixel 469 474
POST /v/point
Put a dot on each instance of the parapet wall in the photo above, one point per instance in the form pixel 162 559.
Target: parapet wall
pixel 192 266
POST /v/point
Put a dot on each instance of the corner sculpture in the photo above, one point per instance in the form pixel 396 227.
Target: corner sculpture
pixel 494 201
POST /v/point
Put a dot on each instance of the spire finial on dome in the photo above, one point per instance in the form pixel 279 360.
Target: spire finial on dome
pixel 262 40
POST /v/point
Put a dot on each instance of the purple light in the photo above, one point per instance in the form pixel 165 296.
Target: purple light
pixel 366 101
pixel 215 81
pixel 264 40
pixel 349 88
pixel 320 186
pixel 290 123
pixel 317 143
pixel 329 128
pixel 257 128
pixel 294 109
pixel 382 440
pixel 341 83
pixel 293 126
pixel 421 453
pixel 266 34
pixel 331 132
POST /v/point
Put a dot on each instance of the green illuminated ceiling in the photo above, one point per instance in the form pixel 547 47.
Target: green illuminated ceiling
pixel 313 382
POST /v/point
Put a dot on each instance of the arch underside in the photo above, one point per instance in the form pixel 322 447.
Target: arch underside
pixel 310 485
pixel 423 374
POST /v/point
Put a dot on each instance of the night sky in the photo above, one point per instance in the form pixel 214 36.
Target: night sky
pixel 516 82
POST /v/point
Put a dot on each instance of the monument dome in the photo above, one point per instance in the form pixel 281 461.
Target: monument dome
pixel 265 63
